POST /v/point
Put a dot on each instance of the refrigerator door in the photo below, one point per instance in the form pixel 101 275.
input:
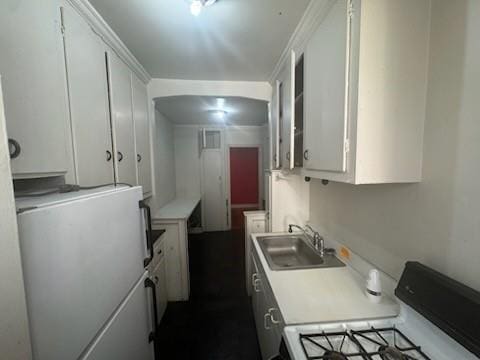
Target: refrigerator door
pixel 126 335
pixel 80 259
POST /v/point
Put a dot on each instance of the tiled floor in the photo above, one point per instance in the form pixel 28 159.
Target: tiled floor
pixel 217 322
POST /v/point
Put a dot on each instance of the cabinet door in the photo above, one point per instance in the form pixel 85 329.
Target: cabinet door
pixel 159 278
pixel 288 112
pixel 275 137
pixel 325 92
pixel 122 120
pixel 142 133
pixel 88 96
pixel 34 88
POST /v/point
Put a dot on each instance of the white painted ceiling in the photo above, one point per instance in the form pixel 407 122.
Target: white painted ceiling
pixel 230 40
pixel 200 110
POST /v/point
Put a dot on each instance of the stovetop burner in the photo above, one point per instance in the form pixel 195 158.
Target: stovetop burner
pixel 369 344
pixel 331 346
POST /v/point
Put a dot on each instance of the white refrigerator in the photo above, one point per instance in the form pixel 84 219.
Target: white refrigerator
pixel 83 257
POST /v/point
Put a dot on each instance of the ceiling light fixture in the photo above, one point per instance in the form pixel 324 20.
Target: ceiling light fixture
pixel 220 103
pixel 219 114
pixel 196 6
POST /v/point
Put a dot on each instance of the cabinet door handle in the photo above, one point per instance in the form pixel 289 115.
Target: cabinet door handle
pixel 287 155
pixel 272 319
pixel 305 154
pixel 139 157
pixel 150 284
pixel 256 284
pixel 109 155
pixel 14 148
pixel 156 279
pixel 159 252
pixel 120 156
pixel 254 278
pixel 265 321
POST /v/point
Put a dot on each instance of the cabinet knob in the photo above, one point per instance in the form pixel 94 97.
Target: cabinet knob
pixel 14 148
pixel 305 154
pixel 120 156
pixel 139 157
pixel 109 155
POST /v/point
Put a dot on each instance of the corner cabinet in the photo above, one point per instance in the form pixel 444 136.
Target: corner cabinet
pixel 34 88
pixel 365 85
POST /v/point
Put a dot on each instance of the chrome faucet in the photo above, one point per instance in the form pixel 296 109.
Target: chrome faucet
pixel 317 240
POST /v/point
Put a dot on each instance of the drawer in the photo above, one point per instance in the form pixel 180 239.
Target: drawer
pixel 158 251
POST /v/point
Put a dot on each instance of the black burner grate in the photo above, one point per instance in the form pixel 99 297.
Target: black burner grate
pixel 370 344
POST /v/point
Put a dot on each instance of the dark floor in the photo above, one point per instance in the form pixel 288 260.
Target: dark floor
pixel 217 322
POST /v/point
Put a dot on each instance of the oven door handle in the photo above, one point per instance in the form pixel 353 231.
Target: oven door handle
pixel 150 284
pixel 145 207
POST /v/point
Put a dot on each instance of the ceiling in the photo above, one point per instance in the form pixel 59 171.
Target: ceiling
pixel 201 110
pixel 230 40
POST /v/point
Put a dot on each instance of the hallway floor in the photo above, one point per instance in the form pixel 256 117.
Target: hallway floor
pixel 217 322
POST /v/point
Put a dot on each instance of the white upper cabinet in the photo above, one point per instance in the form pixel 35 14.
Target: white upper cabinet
pixel 85 55
pixel 365 91
pixel 325 64
pixel 122 120
pixel 33 76
pixel 287 112
pixel 275 129
pixel 142 134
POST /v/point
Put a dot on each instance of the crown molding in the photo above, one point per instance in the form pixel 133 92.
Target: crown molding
pixel 313 16
pixel 100 27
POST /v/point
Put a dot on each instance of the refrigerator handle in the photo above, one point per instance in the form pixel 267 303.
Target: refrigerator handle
pixel 150 284
pixel 145 207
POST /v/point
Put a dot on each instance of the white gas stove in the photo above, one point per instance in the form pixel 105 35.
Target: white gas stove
pixel 407 336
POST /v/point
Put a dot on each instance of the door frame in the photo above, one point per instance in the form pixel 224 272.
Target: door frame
pixel 224 174
pixel 228 189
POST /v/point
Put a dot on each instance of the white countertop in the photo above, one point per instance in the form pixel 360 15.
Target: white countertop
pixel 323 295
pixel 178 209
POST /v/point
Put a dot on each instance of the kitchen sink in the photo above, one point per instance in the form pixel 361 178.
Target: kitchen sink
pixel 294 253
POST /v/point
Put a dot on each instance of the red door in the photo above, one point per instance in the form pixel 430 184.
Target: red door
pixel 243 182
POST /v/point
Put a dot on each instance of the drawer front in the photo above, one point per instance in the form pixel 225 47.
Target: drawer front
pixel 158 251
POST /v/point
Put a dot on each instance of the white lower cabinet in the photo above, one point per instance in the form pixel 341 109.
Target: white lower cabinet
pixel 268 319
pixel 159 279
pixel 255 222
pixel 176 258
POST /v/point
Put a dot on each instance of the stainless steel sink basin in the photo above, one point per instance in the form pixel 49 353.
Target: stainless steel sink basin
pixel 293 253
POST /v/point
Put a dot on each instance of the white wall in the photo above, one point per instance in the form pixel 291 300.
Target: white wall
pixel 187 160
pixel 14 337
pixel 164 160
pixel 438 220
